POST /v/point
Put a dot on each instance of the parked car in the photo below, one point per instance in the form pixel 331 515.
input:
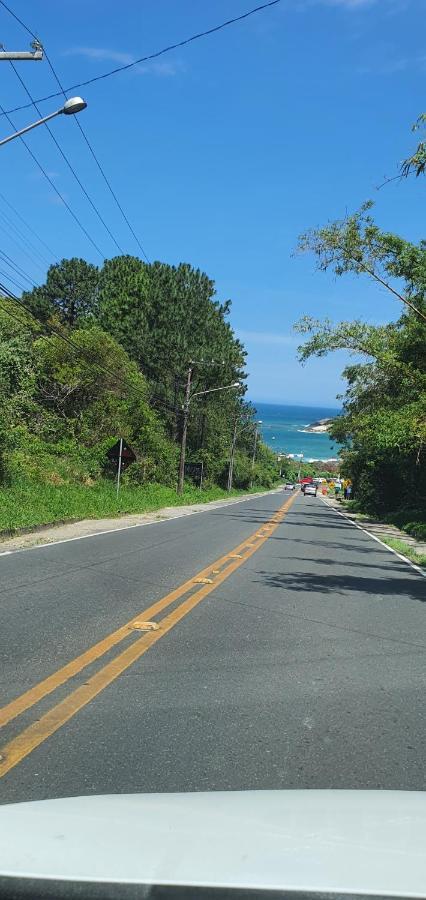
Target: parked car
pixel 310 489
pixel 289 486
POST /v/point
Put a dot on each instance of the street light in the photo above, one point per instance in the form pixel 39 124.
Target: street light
pixel 188 398
pixel 70 108
pixel 233 447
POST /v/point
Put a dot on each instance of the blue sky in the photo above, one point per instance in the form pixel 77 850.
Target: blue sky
pixel 224 151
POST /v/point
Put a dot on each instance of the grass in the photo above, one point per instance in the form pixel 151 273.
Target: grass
pixel 351 506
pixel 31 504
pixel 406 550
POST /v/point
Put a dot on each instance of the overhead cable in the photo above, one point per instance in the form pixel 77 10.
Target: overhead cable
pixel 21 272
pixel 142 59
pixel 85 138
pixel 100 167
pixel 65 158
pixel 6 275
pixel 53 185
pixel 30 228
pixel 25 247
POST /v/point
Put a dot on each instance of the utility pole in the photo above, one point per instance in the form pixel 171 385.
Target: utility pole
pixel 184 429
pixel 120 462
pixel 253 460
pixel 36 54
pixel 232 456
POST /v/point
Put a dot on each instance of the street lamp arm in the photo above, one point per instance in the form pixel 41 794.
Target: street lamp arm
pixel 225 387
pixel 249 425
pixel 22 131
pixel 71 107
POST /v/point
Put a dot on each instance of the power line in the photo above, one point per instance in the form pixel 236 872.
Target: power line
pixel 80 350
pixel 22 274
pixel 53 185
pixel 19 20
pixel 30 228
pixel 104 176
pixel 142 59
pixel 65 158
pixel 20 287
pixel 85 138
pixel 19 239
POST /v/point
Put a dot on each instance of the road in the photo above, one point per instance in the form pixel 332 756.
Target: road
pixel 289 652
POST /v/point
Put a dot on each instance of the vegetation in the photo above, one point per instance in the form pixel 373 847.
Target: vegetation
pixel 405 550
pixel 383 425
pixel 417 162
pixel 36 503
pixel 97 354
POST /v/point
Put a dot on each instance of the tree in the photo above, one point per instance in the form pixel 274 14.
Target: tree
pixel 356 244
pixel 70 292
pixel 124 301
pixel 100 394
pixel 383 425
pixel 417 162
pixel 166 316
pixel 109 357
pixel 16 377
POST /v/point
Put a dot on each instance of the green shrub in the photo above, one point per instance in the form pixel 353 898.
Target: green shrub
pixel 416 529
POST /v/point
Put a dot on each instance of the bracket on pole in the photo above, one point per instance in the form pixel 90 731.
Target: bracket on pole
pixel 35 54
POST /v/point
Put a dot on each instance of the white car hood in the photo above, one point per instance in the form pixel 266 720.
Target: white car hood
pixel 330 841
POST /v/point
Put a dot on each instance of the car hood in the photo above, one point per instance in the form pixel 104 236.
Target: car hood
pixel 330 841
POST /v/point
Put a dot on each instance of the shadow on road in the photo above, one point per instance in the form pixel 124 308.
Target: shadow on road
pixel 411 587
pixel 358 544
pixel 396 567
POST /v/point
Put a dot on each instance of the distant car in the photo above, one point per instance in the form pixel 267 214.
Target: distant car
pixel 289 486
pixel 310 489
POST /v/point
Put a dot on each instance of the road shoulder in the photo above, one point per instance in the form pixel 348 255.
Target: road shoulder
pixel 384 533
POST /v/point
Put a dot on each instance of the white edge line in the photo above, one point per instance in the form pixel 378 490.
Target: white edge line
pixel 375 538
pixel 181 515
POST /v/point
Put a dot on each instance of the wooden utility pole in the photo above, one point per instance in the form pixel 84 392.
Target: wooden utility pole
pixel 232 456
pixel 253 459
pixel 181 478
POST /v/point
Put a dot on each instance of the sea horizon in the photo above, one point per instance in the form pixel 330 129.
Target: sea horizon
pixel 284 429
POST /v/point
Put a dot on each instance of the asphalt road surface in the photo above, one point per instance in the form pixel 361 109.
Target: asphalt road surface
pixel 288 651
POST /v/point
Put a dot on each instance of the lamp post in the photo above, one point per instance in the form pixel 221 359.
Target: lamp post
pixel 300 455
pixel 233 447
pixel 70 108
pixel 188 398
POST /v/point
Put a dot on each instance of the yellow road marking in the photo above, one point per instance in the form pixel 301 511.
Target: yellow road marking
pixel 61 676
pixel 34 735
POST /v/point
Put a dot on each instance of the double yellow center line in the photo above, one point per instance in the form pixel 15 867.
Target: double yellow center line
pixel 38 732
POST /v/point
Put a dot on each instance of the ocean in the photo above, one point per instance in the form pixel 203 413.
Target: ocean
pixel 283 430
